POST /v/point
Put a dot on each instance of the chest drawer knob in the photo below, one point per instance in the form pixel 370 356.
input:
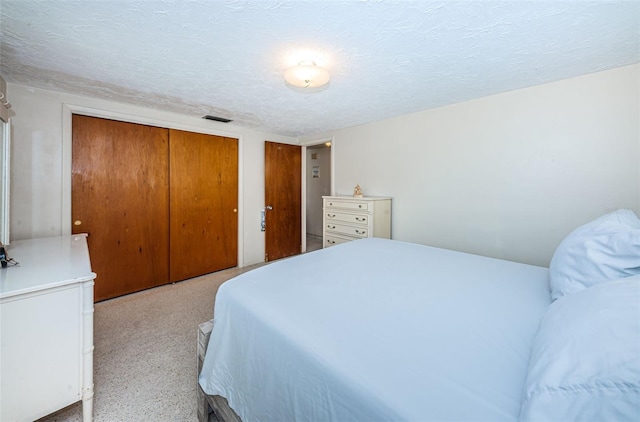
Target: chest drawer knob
pixel 331 215
pixel 361 219
pixel 360 231
pixel 329 226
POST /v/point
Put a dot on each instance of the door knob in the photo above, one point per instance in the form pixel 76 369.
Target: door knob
pixel 77 223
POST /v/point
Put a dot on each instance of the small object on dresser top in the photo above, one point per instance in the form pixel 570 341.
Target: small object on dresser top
pixel 4 258
pixel 5 261
pixel 357 192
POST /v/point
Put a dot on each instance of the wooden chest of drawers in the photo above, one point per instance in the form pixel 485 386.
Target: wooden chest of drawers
pixel 346 218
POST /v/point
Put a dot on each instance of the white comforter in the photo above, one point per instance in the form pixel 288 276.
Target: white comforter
pixel 376 330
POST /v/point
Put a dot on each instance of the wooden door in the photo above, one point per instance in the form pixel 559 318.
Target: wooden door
pixel 120 197
pixel 203 203
pixel 283 192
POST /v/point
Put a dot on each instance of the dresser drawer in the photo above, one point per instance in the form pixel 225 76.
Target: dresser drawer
pixel 345 218
pixel 347 230
pixel 337 217
pixel 331 240
pixel 347 205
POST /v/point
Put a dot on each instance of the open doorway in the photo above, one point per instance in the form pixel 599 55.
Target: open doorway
pixel 318 183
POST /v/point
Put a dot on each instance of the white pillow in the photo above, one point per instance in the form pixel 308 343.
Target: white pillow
pixel 585 360
pixel 607 248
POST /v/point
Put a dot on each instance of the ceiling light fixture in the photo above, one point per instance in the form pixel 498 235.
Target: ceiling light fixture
pixel 307 75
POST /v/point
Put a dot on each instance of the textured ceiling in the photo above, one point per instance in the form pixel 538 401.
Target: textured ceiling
pixel 386 58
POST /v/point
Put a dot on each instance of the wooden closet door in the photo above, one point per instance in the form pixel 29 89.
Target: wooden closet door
pixel 203 204
pixel 120 197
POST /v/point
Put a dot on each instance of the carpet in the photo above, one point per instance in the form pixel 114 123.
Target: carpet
pixel 145 352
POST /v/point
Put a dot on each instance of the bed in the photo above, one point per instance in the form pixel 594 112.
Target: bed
pixel 378 329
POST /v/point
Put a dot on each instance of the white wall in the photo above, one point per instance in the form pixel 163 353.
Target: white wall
pixel 505 176
pixel 41 171
pixel 508 175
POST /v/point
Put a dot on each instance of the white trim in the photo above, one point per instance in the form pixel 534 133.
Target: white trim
pixel 5 209
pixel 303 199
pixel 69 109
pixel 304 182
pixel 66 169
pixel 333 167
pixel 240 200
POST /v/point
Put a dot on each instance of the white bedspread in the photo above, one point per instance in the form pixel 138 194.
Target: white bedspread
pixel 376 329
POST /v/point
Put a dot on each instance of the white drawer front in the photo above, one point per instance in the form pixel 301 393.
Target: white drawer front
pixel 334 240
pixel 347 218
pixel 347 205
pixel 347 230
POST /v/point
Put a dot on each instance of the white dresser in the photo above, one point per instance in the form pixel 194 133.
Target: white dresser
pixel 345 218
pixel 46 318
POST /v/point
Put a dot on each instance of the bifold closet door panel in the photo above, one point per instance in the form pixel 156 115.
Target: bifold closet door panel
pixel 203 204
pixel 120 197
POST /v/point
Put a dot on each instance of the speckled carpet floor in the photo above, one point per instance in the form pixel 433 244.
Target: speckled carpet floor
pixel 145 352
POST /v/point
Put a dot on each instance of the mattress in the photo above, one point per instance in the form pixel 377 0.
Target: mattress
pixel 376 329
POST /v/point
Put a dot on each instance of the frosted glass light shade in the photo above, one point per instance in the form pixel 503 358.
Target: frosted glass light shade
pixel 307 75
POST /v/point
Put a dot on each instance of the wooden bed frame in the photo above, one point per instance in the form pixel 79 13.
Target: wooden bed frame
pixel 210 408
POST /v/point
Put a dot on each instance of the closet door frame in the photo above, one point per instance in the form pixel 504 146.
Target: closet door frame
pixel 69 109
